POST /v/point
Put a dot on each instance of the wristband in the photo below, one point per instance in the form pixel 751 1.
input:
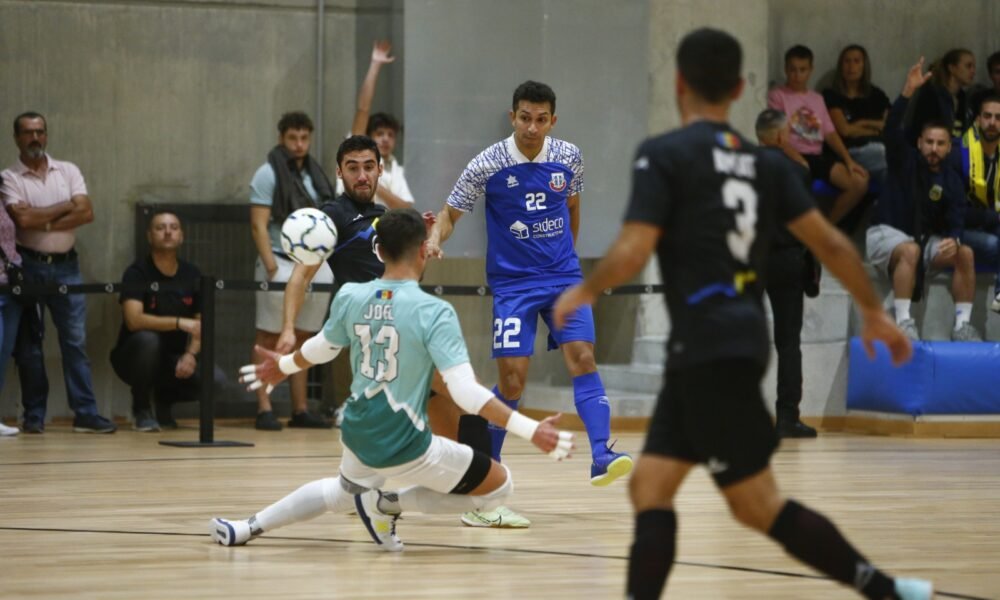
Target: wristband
pixel 522 426
pixel 287 364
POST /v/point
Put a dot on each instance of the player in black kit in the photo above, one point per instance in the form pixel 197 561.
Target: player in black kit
pixel 708 201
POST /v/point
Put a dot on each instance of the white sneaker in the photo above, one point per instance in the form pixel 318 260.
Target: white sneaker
pixel 6 430
pixel 914 589
pixel 966 333
pixel 230 533
pixel 909 328
pixel 499 518
pixel 381 526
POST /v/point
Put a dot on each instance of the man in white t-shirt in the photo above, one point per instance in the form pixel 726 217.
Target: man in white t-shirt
pixel 393 191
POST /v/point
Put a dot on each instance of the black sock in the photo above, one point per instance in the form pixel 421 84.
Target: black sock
pixel 652 553
pixel 473 431
pixel 813 539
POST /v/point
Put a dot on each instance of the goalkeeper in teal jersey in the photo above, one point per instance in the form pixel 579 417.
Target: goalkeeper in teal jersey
pixel 397 335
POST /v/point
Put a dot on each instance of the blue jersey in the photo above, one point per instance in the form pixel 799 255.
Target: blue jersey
pixel 529 241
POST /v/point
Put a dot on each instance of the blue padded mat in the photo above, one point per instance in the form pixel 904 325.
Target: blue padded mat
pixel 957 378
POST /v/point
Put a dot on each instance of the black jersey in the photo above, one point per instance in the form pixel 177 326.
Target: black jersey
pixel 718 200
pixel 354 259
pixel 184 303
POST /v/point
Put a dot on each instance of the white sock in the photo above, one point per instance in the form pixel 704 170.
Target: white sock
pixel 963 313
pixel 308 502
pixel 421 499
pixel 902 309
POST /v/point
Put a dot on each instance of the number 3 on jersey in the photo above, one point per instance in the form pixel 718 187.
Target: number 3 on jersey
pixel 740 197
pixel 503 332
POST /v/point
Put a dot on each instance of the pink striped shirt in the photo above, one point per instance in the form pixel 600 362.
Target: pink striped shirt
pixel 61 181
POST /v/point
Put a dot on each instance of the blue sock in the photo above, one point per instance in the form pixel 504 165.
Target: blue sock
pixel 594 409
pixel 497 434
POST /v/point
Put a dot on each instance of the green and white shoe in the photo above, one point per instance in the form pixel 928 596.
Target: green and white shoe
pixel 500 518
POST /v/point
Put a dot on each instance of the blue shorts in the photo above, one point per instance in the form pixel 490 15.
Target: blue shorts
pixel 515 321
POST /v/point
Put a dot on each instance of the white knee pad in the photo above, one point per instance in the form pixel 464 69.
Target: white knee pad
pixel 497 496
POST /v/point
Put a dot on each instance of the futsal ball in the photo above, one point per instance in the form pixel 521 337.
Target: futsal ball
pixel 308 236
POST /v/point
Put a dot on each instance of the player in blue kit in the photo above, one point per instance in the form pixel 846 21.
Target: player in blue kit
pixel 398 335
pixel 531 183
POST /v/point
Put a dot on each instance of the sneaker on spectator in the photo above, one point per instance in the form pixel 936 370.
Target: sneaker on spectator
pixel 266 421
pixel 93 424
pixel 33 426
pixel 381 526
pixel 144 421
pixel 309 421
pixel 909 328
pixel 608 466
pixel 787 428
pixel 995 306
pixel 6 430
pixel 165 415
pixel 499 518
pixel 966 333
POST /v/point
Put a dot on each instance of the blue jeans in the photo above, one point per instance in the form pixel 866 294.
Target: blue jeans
pixel 10 315
pixel 986 247
pixel 69 314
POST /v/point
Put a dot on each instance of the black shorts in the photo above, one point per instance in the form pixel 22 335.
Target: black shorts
pixel 714 414
pixel 820 165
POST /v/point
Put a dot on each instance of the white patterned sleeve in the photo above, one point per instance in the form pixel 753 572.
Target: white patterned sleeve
pixel 576 165
pixel 471 185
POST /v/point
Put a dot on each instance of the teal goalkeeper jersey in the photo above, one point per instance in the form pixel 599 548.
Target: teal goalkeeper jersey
pixel 398 335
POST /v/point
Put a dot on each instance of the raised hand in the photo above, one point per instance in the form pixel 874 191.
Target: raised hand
pixel 915 78
pixel 382 52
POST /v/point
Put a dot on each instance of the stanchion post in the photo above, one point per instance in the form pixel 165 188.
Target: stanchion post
pixel 206 370
pixel 206 366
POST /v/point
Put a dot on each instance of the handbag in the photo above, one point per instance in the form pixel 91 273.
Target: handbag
pixel 15 274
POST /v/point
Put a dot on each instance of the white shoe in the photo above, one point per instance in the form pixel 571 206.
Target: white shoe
pixel 966 333
pixel 230 533
pixel 499 518
pixel 913 589
pixel 8 431
pixel 381 526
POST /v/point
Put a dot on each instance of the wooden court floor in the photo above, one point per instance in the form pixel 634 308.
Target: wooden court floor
pixel 121 517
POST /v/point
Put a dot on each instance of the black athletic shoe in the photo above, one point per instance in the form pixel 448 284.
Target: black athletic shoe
pixel 33 426
pixel 93 424
pixel 165 415
pixel 794 429
pixel 266 421
pixel 309 421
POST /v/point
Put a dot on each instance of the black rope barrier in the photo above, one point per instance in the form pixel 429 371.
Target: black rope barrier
pixel 208 286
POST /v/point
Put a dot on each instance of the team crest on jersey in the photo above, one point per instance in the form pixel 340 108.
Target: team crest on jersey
pixel 728 140
pixel 512 182
pixel 558 182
